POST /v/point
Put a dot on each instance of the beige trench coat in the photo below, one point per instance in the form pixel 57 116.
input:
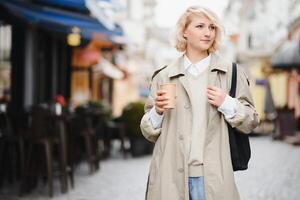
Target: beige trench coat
pixel 168 176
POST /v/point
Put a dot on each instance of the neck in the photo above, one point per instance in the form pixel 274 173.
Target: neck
pixel 196 56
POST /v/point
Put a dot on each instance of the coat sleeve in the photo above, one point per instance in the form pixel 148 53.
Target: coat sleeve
pixel 246 118
pixel 149 132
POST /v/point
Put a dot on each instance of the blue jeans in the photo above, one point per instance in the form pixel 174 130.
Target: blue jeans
pixel 196 188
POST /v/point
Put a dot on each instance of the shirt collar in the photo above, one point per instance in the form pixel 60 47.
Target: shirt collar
pixel 204 63
pixel 176 68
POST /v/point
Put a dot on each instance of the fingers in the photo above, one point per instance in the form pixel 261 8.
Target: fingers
pixel 210 97
pixel 211 102
pixel 215 95
pixel 215 91
pixel 160 101
pixel 161 98
pixel 160 92
pixel 212 92
pixel 159 106
pixel 211 87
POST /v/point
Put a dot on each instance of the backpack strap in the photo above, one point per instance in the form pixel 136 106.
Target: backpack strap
pixel 233 80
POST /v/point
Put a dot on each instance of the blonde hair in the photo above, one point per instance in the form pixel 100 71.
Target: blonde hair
pixel 185 20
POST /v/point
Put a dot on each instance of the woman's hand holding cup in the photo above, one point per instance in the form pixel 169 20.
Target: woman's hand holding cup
pixel 160 101
pixel 165 97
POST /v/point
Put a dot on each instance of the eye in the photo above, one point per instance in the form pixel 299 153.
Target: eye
pixel 212 27
pixel 200 26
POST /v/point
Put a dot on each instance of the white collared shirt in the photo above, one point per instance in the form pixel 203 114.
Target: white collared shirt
pixel 197 68
pixel 228 107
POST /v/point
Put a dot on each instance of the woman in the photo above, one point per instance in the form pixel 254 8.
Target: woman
pixel 191 158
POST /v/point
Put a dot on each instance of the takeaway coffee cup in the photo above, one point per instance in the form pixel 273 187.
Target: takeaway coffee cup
pixel 170 89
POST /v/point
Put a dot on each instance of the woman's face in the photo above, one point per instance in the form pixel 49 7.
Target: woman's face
pixel 200 33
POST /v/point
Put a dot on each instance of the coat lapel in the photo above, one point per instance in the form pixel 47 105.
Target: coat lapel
pixel 183 80
pixel 211 110
pixel 216 66
pixel 177 71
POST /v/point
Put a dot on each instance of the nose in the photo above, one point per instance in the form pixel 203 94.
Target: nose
pixel 207 32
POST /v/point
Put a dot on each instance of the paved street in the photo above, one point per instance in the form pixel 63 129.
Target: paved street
pixel 274 174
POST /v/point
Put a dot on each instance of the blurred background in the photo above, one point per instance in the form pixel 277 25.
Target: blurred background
pixel 74 75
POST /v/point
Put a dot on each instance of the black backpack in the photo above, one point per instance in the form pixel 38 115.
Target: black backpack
pixel 239 142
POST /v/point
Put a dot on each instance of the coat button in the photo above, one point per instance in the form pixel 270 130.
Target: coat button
pixel 181 170
pixel 180 137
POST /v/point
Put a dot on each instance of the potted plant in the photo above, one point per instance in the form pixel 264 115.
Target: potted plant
pixel 131 116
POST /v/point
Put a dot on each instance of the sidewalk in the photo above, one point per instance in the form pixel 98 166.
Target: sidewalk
pixel 274 174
